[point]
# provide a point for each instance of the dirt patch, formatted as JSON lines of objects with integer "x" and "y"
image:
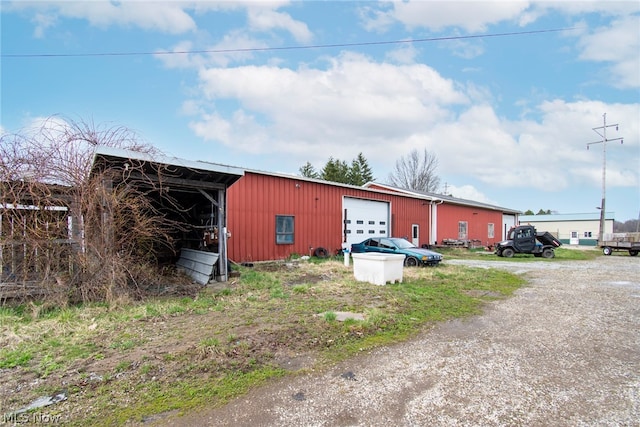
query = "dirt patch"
{"x": 564, "y": 351}
{"x": 130, "y": 352}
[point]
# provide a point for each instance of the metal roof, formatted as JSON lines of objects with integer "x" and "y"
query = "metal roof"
{"x": 214, "y": 173}
{"x": 389, "y": 189}
{"x": 449, "y": 199}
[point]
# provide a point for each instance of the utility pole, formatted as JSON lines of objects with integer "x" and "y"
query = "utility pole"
{"x": 603, "y": 141}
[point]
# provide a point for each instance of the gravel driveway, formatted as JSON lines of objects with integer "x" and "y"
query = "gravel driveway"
{"x": 564, "y": 351}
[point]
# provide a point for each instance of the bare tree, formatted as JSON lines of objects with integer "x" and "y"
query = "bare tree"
{"x": 416, "y": 172}
{"x": 74, "y": 232}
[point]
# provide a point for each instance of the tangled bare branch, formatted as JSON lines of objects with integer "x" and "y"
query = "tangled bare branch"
{"x": 72, "y": 232}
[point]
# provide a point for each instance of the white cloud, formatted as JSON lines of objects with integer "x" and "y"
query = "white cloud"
{"x": 464, "y": 48}
{"x": 42, "y": 22}
{"x": 262, "y": 19}
{"x": 173, "y": 17}
{"x": 405, "y": 54}
{"x": 468, "y": 192}
{"x": 618, "y": 44}
{"x": 385, "y": 110}
{"x": 354, "y": 105}
{"x": 473, "y": 16}
{"x": 235, "y": 47}
{"x": 159, "y": 16}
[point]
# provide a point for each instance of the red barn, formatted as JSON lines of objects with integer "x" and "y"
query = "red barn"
{"x": 460, "y": 219}
{"x": 273, "y": 216}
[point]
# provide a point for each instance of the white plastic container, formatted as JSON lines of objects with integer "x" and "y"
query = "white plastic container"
{"x": 378, "y": 268}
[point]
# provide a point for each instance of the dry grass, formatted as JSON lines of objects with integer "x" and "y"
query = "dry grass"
{"x": 119, "y": 363}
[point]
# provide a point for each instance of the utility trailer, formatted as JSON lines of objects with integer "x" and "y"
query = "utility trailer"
{"x": 524, "y": 239}
{"x": 621, "y": 242}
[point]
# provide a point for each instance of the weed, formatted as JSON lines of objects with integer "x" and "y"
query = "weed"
{"x": 216, "y": 348}
{"x": 210, "y": 342}
{"x": 11, "y": 315}
{"x": 224, "y": 292}
{"x": 301, "y": 289}
{"x": 12, "y": 358}
{"x": 253, "y": 279}
{"x": 123, "y": 344}
{"x": 350, "y": 321}
{"x": 330, "y": 316}
{"x": 122, "y": 366}
{"x": 152, "y": 310}
{"x": 146, "y": 368}
{"x": 202, "y": 304}
{"x": 175, "y": 309}
{"x": 278, "y": 292}
{"x": 48, "y": 365}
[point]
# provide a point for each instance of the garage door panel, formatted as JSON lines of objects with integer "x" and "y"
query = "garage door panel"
{"x": 365, "y": 219}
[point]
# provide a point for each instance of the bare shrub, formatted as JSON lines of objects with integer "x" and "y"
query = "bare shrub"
{"x": 72, "y": 233}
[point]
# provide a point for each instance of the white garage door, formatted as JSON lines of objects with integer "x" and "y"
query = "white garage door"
{"x": 365, "y": 219}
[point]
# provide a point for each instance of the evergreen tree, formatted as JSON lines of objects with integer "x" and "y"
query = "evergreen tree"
{"x": 336, "y": 171}
{"x": 308, "y": 171}
{"x": 360, "y": 172}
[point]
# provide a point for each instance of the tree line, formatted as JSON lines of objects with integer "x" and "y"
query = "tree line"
{"x": 415, "y": 171}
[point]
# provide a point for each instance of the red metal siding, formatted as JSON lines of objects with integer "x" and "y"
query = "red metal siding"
{"x": 255, "y": 200}
{"x": 477, "y": 219}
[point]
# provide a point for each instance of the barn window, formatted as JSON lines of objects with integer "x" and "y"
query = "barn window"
{"x": 462, "y": 230}
{"x": 284, "y": 229}
{"x": 490, "y": 231}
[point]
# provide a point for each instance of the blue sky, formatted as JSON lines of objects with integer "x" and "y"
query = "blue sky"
{"x": 507, "y": 116}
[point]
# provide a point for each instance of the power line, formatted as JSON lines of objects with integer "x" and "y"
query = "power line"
{"x": 266, "y": 49}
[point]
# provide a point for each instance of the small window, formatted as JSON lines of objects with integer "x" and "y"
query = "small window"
{"x": 359, "y": 231}
{"x": 284, "y": 229}
{"x": 490, "y": 231}
{"x": 574, "y": 234}
{"x": 372, "y": 223}
{"x": 462, "y": 230}
{"x": 347, "y": 221}
{"x": 383, "y": 222}
{"x": 372, "y": 231}
{"x": 587, "y": 234}
{"x": 359, "y": 221}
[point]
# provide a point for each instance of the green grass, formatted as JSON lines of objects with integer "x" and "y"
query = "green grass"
{"x": 561, "y": 254}
{"x": 182, "y": 353}
{"x": 13, "y": 358}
